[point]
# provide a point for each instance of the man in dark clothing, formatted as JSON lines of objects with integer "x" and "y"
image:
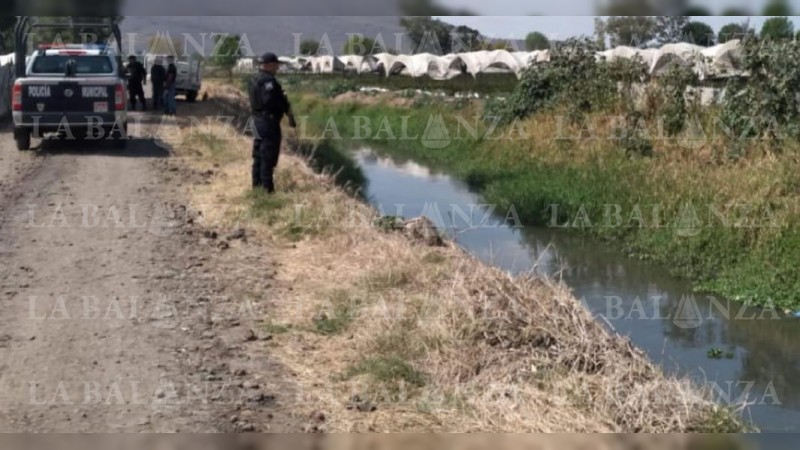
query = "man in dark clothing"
{"x": 158, "y": 76}
{"x": 136, "y": 76}
{"x": 170, "y": 87}
{"x": 269, "y": 104}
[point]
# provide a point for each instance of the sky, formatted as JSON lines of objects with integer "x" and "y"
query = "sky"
{"x": 585, "y": 7}
{"x": 562, "y": 27}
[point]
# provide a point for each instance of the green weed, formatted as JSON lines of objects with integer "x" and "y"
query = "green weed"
{"x": 338, "y": 315}
{"x": 388, "y": 372}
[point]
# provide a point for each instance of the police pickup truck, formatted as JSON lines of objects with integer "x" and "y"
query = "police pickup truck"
{"x": 76, "y": 91}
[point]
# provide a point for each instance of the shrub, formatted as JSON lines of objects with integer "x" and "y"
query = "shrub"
{"x": 339, "y": 87}
{"x": 769, "y": 96}
{"x": 633, "y": 139}
{"x": 677, "y": 102}
{"x": 575, "y": 78}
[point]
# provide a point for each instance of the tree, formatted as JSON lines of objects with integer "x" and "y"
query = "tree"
{"x": 635, "y": 31}
{"x": 434, "y": 36}
{"x": 65, "y": 30}
{"x": 777, "y": 28}
{"x": 696, "y": 11}
{"x": 428, "y": 35}
{"x": 429, "y": 8}
{"x": 227, "y": 52}
{"x": 500, "y": 44}
{"x": 733, "y": 31}
{"x": 357, "y": 44}
{"x": 629, "y": 8}
{"x": 600, "y": 33}
{"x": 309, "y": 47}
{"x": 777, "y": 8}
{"x": 536, "y": 41}
{"x": 735, "y": 12}
{"x": 698, "y": 33}
{"x": 670, "y": 29}
{"x": 464, "y": 38}
{"x": 7, "y": 24}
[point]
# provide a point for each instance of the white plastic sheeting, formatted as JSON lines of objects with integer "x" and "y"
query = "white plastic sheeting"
{"x": 648, "y": 55}
{"x": 436, "y": 67}
{"x": 721, "y": 60}
{"x": 492, "y": 61}
{"x": 325, "y": 64}
{"x": 295, "y": 63}
{"x": 245, "y": 65}
{"x": 708, "y": 62}
{"x": 250, "y": 65}
{"x": 389, "y": 63}
{"x": 357, "y": 63}
{"x": 684, "y": 54}
{"x": 7, "y": 59}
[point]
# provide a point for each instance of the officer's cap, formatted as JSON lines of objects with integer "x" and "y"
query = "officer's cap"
{"x": 268, "y": 58}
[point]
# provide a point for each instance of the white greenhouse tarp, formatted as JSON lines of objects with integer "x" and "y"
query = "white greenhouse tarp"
{"x": 717, "y": 61}
{"x": 357, "y": 63}
{"x": 325, "y": 64}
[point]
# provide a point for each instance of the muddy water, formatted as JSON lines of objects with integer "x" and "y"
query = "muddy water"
{"x": 743, "y": 354}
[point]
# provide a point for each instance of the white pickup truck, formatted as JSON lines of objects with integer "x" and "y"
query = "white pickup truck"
{"x": 190, "y": 77}
{"x": 71, "y": 89}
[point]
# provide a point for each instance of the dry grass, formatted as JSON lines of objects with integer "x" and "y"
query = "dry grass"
{"x": 436, "y": 339}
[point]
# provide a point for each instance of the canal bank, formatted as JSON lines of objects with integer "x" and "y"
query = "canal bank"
{"x": 746, "y": 355}
{"x": 385, "y": 332}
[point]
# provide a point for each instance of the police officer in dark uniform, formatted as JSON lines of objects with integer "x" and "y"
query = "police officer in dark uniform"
{"x": 136, "y": 76}
{"x": 269, "y": 104}
{"x": 158, "y": 75}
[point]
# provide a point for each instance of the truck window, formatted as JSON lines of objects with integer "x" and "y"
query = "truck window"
{"x": 83, "y": 65}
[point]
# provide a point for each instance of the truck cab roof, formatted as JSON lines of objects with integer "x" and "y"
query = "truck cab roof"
{"x": 71, "y": 63}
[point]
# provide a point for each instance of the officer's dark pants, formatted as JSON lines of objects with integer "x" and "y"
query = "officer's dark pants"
{"x": 158, "y": 96}
{"x": 266, "y": 150}
{"x": 135, "y": 90}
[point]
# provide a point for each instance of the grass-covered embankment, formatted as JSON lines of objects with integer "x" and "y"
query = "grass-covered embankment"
{"x": 726, "y": 223}
{"x": 432, "y": 338}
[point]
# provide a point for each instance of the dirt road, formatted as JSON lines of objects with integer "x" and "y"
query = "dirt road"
{"x": 116, "y": 310}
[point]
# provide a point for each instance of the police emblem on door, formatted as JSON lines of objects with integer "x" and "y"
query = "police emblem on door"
{"x": 40, "y": 106}
{"x": 68, "y": 93}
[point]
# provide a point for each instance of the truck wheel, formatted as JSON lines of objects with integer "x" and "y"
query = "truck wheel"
{"x": 120, "y": 140}
{"x": 191, "y": 96}
{"x": 23, "y": 141}
{"x": 120, "y": 143}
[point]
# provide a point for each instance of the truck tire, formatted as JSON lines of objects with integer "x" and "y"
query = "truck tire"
{"x": 120, "y": 140}
{"x": 23, "y": 140}
{"x": 191, "y": 96}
